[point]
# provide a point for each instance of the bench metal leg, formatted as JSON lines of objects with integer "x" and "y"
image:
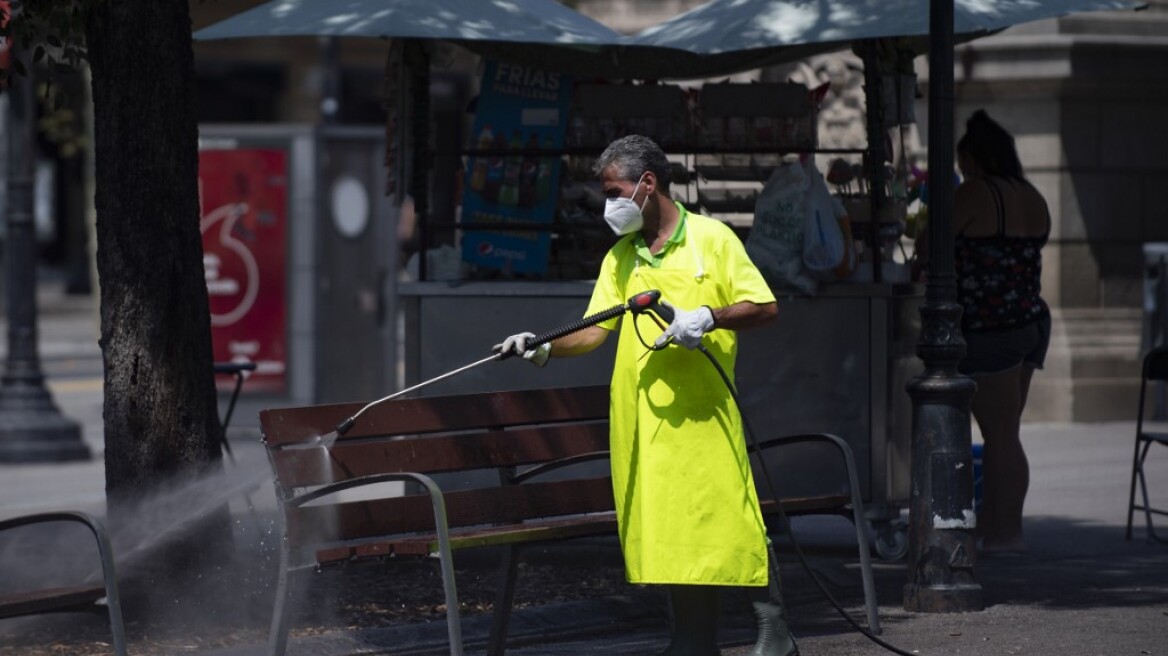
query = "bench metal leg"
{"x": 862, "y": 538}
{"x": 858, "y": 520}
{"x": 109, "y": 575}
{"x": 278, "y": 634}
{"x": 870, "y": 602}
{"x": 441, "y": 527}
{"x": 112, "y": 598}
{"x": 504, "y": 600}
{"x": 446, "y": 555}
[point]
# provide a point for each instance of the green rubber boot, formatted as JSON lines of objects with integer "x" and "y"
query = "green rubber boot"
{"x": 774, "y": 636}
{"x": 695, "y": 621}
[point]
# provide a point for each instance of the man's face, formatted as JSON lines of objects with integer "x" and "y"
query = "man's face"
{"x": 616, "y": 187}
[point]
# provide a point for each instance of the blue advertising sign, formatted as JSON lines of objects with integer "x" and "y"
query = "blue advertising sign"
{"x": 520, "y": 110}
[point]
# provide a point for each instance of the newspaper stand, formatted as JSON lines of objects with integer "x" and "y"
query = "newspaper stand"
{"x": 836, "y": 362}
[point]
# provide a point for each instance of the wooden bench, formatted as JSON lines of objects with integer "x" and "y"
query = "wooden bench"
{"x": 517, "y": 440}
{"x": 81, "y": 597}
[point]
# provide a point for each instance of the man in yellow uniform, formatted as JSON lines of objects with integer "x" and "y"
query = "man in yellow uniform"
{"x": 687, "y": 510}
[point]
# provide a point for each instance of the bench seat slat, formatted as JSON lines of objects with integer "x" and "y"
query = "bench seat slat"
{"x": 504, "y": 505}
{"x": 806, "y": 505}
{"x": 600, "y": 523}
{"x": 47, "y": 600}
{"x": 423, "y": 545}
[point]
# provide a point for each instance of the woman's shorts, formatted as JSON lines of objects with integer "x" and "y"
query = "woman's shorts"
{"x": 1001, "y": 350}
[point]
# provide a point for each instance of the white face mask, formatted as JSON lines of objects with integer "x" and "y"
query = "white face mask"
{"x": 623, "y": 215}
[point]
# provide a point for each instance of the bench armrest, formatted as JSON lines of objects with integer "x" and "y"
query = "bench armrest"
{"x": 857, "y": 510}
{"x": 844, "y": 449}
{"x": 361, "y": 481}
{"x": 539, "y": 470}
{"x": 800, "y": 439}
{"x": 441, "y": 527}
{"x": 105, "y": 553}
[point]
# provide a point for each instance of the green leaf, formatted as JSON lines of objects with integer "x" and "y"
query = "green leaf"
{"x": 54, "y": 41}
{"x": 39, "y": 54}
{"x": 18, "y": 66}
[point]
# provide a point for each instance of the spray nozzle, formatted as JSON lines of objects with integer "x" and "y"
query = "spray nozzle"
{"x": 345, "y": 425}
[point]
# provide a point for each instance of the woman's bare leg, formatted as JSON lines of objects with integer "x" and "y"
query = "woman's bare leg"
{"x": 997, "y": 406}
{"x": 1024, "y": 385}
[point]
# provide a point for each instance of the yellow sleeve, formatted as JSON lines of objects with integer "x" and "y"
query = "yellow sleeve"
{"x": 745, "y": 282}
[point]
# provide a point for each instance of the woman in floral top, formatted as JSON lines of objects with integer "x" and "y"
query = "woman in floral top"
{"x": 1000, "y": 223}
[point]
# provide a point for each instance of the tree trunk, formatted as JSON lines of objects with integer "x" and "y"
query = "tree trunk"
{"x": 161, "y": 421}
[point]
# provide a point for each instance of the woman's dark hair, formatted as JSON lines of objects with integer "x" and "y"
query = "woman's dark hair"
{"x": 633, "y": 156}
{"x": 991, "y": 146}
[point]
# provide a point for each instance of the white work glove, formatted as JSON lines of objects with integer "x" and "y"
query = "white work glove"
{"x": 688, "y": 326}
{"x": 517, "y": 345}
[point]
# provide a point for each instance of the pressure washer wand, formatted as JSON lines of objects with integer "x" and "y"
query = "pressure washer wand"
{"x": 347, "y": 424}
{"x": 647, "y": 300}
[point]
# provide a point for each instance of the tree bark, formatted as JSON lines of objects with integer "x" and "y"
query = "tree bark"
{"x": 161, "y": 420}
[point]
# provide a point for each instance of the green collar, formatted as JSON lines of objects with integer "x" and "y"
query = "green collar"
{"x": 678, "y": 235}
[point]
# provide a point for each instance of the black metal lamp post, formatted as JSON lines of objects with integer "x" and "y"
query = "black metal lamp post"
{"x": 941, "y": 552}
{"x": 32, "y": 429}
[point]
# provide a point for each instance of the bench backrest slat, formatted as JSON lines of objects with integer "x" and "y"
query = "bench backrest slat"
{"x": 438, "y": 453}
{"x": 306, "y": 425}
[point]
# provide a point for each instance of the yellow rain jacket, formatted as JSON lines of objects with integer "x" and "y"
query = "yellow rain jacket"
{"x": 686, "y": 504}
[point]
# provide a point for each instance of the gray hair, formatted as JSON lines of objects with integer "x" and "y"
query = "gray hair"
{"x": 632, "y": 156}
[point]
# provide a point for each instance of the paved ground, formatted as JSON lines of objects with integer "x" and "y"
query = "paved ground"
{"x": 1080, "y": 590}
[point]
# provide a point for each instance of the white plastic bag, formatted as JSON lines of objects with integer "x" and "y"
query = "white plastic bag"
{"x": 828, "y": 252}
{"x": 775, "y": 244}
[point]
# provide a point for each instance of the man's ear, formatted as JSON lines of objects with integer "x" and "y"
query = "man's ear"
{"x": 650, "y": 183}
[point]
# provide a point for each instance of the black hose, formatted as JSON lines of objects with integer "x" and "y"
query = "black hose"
{"x": 773, "y": 491}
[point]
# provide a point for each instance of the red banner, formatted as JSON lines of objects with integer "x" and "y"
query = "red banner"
{"x": 5, "y": 13}
{"x": 243, "y": 196}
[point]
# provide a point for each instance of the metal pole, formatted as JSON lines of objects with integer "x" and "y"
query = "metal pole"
{"x": 942, "y": 551}
{"x": 875, "y": 155}
{"x": 31, "y": 427}
{"x": 417, "y": 63}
